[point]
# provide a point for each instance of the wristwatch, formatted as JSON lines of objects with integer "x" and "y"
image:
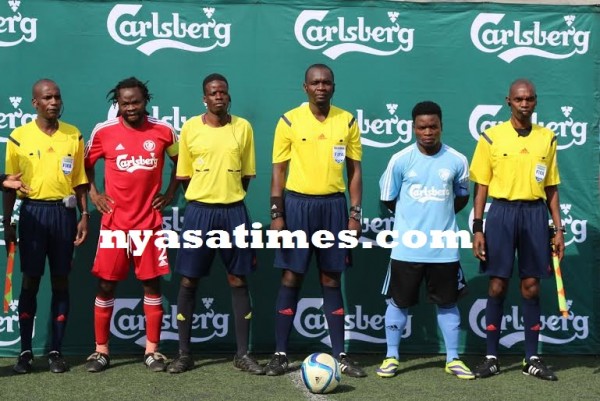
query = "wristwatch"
{"x": 275, "y": 215}
{"x": 356, "y": 213}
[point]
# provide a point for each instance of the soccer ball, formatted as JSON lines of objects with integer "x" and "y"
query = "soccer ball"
{"x": 320, "y": 373}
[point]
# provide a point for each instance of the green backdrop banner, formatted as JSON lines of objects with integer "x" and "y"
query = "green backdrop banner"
{"x": 386, "y": 57}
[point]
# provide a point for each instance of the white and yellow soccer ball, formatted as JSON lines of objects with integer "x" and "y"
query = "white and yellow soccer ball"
{"x": 320, "y": 373}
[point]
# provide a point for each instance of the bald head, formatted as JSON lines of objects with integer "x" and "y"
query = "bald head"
{"x": 38, "y": 85}
{"x": 522, "y": 82}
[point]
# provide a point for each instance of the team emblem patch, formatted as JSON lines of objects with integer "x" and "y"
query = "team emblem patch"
{"x": 540, "y": 172}
{"x": 339, "y": 153}
{"x": 149, "y": 145}
{"x": 444, "y": 174}
{"x": 67, "y": 165}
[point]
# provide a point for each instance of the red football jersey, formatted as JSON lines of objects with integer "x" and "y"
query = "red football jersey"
{"x": 133, "y": 165}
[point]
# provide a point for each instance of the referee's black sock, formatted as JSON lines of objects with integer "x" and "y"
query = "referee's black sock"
{"x": 242, "y": 312}
{"x": 333, "y": 309}
{"x": 27, "y": 310}
{"x": 60, "y": 312}
{"x": 287, "y": 302}
{"x": 186, "y": 302}
{"x": 531, "y": 321}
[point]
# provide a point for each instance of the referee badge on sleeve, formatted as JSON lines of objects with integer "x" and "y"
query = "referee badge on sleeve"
{"x": 339, "y": 153}
{"x": 67, "y": 165}
{"x": 540, "y": 172}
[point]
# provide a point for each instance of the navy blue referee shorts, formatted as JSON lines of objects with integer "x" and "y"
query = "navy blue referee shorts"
{"x": 196, "y": 262}
{"x": 311, "y": 213}
{"x": 519, "y": 227}
{"x": 46, "y": 228}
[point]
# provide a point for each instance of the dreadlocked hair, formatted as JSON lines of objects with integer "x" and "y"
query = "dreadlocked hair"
{"x": 132, "y": 82}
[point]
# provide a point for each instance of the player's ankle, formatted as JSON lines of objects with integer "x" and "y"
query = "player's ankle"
{"x": 102, "y": 348}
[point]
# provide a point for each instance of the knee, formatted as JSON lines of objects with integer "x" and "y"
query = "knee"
{"x": 30, "y": 283}
{"x": 530, "y": 288}
{"x": 151, "y": 287}
{"x": 331, "y": 279}
{"x": 60, "y": 283}
{"x": 291, "y": 279}
{"x": 497, "y": 288}
{"x": 189, "y": 282}
{"x": 106, "y": 289}
{"x": 236, "y": 281}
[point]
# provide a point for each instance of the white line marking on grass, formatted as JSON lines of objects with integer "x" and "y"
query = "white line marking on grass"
{"x": 299, "y": 384}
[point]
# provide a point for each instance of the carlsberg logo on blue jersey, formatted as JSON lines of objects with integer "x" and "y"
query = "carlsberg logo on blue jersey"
{"x": 343, "y": 34}
{"x": 190, "y": 32}
{"x": 511, "y": 39}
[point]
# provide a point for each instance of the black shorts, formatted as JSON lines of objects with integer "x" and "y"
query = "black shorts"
{"x": 403, "y": 282}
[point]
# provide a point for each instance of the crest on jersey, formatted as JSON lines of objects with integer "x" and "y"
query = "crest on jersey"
{"x": 149, "y": 145}
{"x": 444, "y": 174}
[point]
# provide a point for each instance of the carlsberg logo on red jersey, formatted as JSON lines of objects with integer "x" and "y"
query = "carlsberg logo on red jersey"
{"x": 132, "y": 163}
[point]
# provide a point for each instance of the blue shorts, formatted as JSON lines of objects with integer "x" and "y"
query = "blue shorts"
{"x": 196, "y": 262}
{"x": 46, "y": 228}
{"x": 311, "y": 213}
{"x": 520, "y": 226}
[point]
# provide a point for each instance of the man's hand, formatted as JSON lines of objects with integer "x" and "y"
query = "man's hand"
{"x": 355, "y": 225}
{"x": 102, "y": 202}
{"x": 479, "y": 246}
{"x": 278, "y": 224}
{"x": 160, "y": 201}
{"x": 10, "y": 235}
{"x": 82, "y": 229}
{"x": 559, "y": 244}
{"x": 13, "y": 181}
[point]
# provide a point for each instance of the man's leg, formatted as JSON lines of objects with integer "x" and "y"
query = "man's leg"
{"x": 103, "y": 310}
{"x": 186, "y": 302}
{"x": 27, "y": 310}
{"x": 153, "y": 310}
{"x": 285, "y": 309}
{"x": 242, "y": 313}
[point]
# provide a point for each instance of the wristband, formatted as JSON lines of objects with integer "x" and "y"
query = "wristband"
{"x": 477, "y": 226}
{"x": 277, "y": 205}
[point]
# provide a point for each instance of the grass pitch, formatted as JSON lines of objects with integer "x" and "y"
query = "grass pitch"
{"x": 214, "y": 378}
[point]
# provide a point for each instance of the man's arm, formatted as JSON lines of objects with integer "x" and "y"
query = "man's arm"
{"x": 277, "y": 186}
{"x": 82, "y": 227}
{"x": 479, "y": 202}
{"x": 553, "y": 204}
{"x": 8, "y": 203}
{"x": 160, "y": 201}
{"x": 354, "y": 173}
{"x": 102, "y": 202}
{"x": 460, "y": 202}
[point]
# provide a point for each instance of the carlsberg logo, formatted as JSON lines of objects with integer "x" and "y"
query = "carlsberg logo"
{"x": 554, "y": 329}
{"x": 310, "y": 323}
{"x": 345, "y": 35}
{"x": 15, "y": 118}
{"x": 527, "y": 39}
{"x": 166, "y": 31}
{"x": 384, "y": 132}
{"x": 128, "y": 322}
{"x": 568, "y": 132}
{"x": 17, "y": 28}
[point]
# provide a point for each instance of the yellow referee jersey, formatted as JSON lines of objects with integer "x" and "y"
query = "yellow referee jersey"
{"x": 52, "y": 165}
{"x": 515, "y": 167}
{"x": 316, "y": 150}
{"x": 216, "y": 159}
